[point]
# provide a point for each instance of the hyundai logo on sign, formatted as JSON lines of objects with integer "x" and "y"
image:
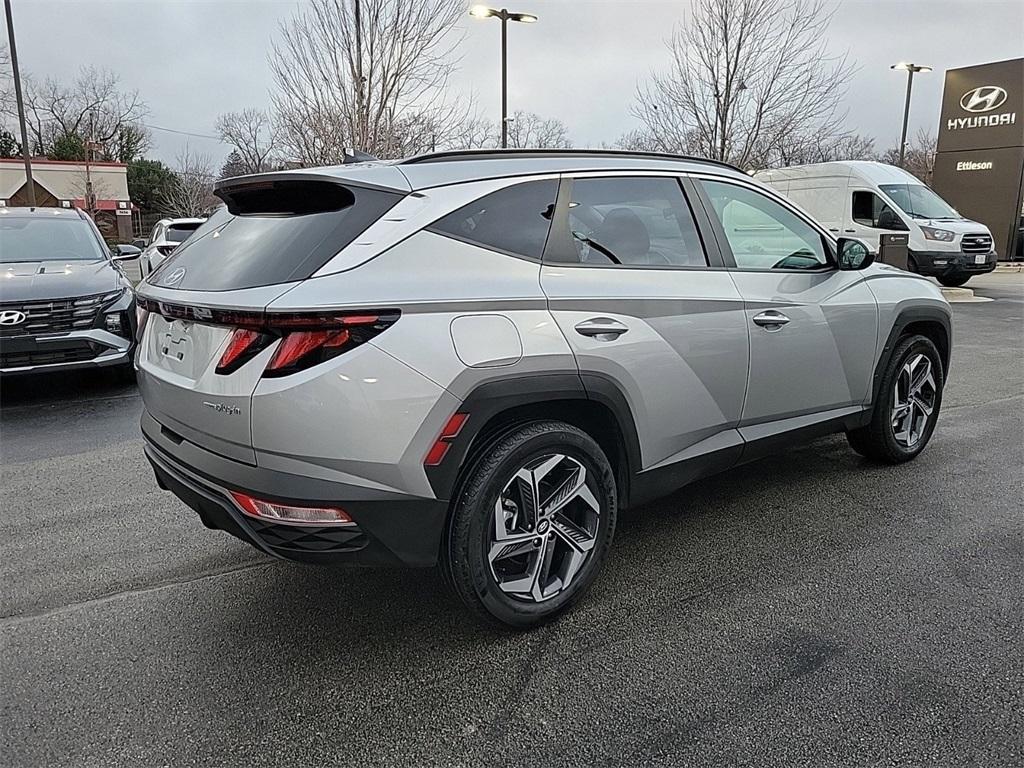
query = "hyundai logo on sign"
{"x": 981, "y": 102}
{"x": 983, "y": 99}
{"x": 11, "y": 317}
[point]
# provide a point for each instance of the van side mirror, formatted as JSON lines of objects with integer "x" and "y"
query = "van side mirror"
{"x": 888, "y": 219}
{"x": 140, "y": 242}
{"x": 854, "y": 254}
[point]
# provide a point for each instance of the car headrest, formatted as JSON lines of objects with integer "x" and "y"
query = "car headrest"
{"x": 624, "y": 234}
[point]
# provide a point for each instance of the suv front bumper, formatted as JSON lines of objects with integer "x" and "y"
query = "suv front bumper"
{"x": 90, "y": 348}
{"x": 941, "y": 263}
{"x": 390, "y": 528}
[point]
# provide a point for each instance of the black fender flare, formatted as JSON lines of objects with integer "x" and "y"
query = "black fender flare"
{"x": 490, "y": 399}
{"x": 905, "y": 318}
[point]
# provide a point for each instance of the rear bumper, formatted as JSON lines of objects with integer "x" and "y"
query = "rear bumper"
{"x": 939, "y": 263}
{"x": 390, "y": 528}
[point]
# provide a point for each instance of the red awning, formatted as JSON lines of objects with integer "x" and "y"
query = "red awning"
{"x": 102, "y": 205}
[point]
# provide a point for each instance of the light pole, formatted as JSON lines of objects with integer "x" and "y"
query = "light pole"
{"x": 483, "y": 12}
{"x": 911, "y": 69}
{"x": 26, "y": 152}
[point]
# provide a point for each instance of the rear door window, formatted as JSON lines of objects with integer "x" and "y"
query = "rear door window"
{"x": 513, "y": 220}
{"x": 273, "y": 232}
{"x": 633, "y": 222}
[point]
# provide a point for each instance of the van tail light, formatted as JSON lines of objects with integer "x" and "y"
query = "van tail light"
{"x": 290, "y": 514}
{"x": 305, "y": 338}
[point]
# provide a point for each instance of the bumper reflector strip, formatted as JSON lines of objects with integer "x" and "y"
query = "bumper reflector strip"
{"x": 287, "y": 514}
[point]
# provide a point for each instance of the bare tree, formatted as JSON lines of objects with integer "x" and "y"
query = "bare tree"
{"x": 919, "y": 159}
{"x": 92, "y": 106}
{"x": 745, "y": 74}
{"x": 252, "y": 135}
{"x": 800, "y": 149}
{"x": 191, "y": 193}
{"x": 343, "y": 80}
{"x": 527, "y": 129}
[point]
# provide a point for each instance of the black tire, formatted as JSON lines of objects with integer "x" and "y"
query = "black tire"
{"x": 953, "y": 281}
{"x": 472, "y": 522}
{"x": 878, "y": 439}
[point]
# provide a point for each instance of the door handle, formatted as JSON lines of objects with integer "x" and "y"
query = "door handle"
{"x": 830, "y": 229}
{"x": 601, "y": 328}
{"x": 851, "y": 231}
{"x": 771, "y": 320}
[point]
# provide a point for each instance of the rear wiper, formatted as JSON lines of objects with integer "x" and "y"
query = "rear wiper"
{"x": 597, "y": 247}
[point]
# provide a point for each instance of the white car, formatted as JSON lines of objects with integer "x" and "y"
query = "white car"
{"x": 167, "y": 235}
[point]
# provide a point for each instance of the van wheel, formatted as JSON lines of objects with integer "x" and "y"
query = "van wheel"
{"x": 532, "y": 524}
{"x": 907, "y": 408}
{"x": 953, "y": 281}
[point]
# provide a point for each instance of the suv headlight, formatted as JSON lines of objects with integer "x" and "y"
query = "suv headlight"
{"x": 942, "y": 235}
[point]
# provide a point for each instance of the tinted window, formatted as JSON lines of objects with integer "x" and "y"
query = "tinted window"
{"x": 633, "y": 222}
{"x": 762, "y": 233}
{"x": 179, "y": 233}
{"x": 870, "y": 210}
{"x": 47, "y": 239}
{"x": 514, "y": 219}
{"x": 244, "y": 251}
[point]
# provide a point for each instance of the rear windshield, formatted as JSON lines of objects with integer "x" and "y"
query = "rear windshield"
{"x": 33, "y": 238}
{"x": 179, "y": 233}
{"x": 276, "y": 243}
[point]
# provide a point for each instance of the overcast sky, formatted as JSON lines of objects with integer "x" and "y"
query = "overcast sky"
{"x": 193, "y": 59}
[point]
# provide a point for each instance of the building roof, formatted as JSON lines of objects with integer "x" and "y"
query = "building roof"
{"x": 64, "y": 179}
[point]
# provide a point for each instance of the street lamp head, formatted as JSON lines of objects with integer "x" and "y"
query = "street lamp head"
{"x": 908, "y": 67}
{"x": 483, "y": 12}
{"x": 526, "y": 18}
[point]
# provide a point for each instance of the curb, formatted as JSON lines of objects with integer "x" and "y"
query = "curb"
{"x": 962, "y": 296}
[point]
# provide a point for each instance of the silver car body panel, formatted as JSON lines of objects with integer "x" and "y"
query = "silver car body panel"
{"x": 698, "y": 376}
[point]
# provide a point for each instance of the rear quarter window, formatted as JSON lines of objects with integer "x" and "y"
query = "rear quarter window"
{"x": 284, "y": 231}
{"x": 513, "y": 220}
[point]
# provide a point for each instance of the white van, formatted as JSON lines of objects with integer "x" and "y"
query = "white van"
{"x": 867, "y": 199}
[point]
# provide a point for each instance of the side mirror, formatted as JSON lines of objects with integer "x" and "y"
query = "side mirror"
{"x": 854, "y": 254}
{"x": 140, "y": 242}
{"x": 888, "y": 219}
{"x": 125, "y": 252}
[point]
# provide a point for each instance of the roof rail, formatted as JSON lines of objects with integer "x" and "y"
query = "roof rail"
{"x": 497, "y": 154}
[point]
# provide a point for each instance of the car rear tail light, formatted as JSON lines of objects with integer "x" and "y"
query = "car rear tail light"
{"x": 451, "y": 430}
{"x": 244, "y": 345}
{"x": 290, "y": 514}
{"x": 306, "y": 338}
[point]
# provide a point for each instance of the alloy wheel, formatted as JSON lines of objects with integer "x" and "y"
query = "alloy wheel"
{"x": 913, "y": 400}
{"x": 545, "y": 526}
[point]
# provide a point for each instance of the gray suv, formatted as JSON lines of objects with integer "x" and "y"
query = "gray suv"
{"x": 476, "y": 359}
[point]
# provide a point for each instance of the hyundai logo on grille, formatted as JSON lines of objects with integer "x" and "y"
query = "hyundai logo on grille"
{"x": 11, "y": 317}
{"x": 984, "y": 98}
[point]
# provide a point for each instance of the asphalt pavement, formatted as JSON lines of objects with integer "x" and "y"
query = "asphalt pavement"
{"x": 810, "y": 609}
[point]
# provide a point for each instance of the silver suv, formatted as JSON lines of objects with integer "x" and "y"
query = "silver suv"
{"x": 476, "y": 360}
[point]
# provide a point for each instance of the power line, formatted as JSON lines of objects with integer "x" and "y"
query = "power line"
{"x": 183, "y": 133}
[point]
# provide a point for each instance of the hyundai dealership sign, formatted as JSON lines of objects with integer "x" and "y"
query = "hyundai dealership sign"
{"x": 979, "y": 167}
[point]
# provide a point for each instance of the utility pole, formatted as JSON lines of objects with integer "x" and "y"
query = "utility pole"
{"x": 910, "y": 70}
{"x": 26, "y": 153}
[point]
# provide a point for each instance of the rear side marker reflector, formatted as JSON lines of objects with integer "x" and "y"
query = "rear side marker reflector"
{"x": 287, "y": 514}
{"x": 451, "y": 430}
